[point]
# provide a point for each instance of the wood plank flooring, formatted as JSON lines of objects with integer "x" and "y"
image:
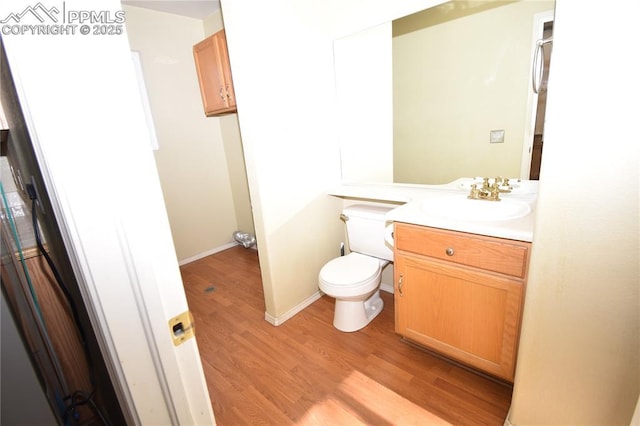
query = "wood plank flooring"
{"x": 305, "y": 372}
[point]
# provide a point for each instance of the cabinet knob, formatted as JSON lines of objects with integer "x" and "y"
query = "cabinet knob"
{"x": 221, "y": 94}
{"x": 400, "y": 285}
{"x": 449, "y": 251}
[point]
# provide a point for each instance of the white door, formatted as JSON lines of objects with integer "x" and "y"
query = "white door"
{"x": 83, "y": 110}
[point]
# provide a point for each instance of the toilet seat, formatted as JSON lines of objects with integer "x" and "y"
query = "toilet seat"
{"x": 350, "y": 275}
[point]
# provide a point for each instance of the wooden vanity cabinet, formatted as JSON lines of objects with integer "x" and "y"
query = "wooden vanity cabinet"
{"x": 214, "y": 75}
{"x": 461, "y": 295}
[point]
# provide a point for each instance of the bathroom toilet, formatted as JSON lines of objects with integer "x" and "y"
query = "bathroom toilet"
{"x": 354, "y": 280}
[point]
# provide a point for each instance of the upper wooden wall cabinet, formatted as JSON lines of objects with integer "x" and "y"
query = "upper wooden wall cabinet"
{"x": 214, "y": 74}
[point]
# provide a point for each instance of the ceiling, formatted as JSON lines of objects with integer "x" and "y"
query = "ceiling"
{"x": 190, "y": 8}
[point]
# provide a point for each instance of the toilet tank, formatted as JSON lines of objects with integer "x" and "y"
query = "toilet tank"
{"x": 366, "y": 230}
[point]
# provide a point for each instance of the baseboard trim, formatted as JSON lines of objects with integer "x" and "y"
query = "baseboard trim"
{"x": 293, "y": 311}
{"x": 507, "y": 421}
{"x": 207, "y": 253}
{"x": 308, "y": 301}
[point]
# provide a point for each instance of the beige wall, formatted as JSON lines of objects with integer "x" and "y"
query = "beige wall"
{"x": 291, "y": 153}
{"x": 579, "y": 358}
{"x": 454, "y": 81}
{"x": 213, "y": 23}
{"x": 191, "y": 161}
{"x": 230, "y": 132}
{"x": 282, "y": 63}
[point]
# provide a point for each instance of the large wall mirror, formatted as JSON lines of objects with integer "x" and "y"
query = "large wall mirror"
{"x": 441, "y": 94}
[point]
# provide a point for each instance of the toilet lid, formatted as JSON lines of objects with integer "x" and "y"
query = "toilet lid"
{"x": 351, "y": 269}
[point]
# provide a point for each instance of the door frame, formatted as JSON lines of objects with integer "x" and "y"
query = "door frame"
{"x": 539, "y": 21}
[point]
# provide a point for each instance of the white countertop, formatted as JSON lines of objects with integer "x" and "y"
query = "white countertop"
{"x": 415, "y": 196}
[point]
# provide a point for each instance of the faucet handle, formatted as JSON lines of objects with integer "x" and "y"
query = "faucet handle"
{"x": 505, "y": 186}
{"x": 494, "y": 193}
{"x": 474, "y": 194}
{"x": 485, "y": 183}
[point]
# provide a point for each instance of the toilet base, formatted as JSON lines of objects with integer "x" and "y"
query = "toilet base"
{"x": 353, "y": 315}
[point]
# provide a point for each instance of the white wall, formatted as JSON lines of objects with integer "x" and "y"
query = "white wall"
{"x": 191, "y": 161}
{"x": 579, "y": 358}
{"x": 362, "y": 61}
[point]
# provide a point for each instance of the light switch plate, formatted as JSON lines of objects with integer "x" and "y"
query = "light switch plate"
{"x": 496, "y": 136}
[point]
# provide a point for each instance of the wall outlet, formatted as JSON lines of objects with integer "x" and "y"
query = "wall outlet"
{"x": 496, "y": 136}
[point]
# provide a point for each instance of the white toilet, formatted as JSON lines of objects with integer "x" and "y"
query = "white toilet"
{"x": 354, "y": 279}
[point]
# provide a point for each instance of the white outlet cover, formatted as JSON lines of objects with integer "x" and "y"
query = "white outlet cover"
{"x": 496, "y": 136}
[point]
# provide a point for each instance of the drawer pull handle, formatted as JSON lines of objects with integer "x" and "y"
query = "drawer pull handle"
{"x": 449, "y": 251}
{"x": 400, "y": 285}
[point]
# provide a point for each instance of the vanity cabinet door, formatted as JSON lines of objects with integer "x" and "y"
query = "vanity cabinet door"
{"x": 465, "y": 313}
{"x": 214, "y": 75}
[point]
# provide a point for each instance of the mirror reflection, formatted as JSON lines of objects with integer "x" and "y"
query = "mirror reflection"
{"x": 463, "y": 104}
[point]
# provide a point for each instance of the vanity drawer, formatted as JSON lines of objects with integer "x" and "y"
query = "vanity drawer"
{"x": 488, "y": 253}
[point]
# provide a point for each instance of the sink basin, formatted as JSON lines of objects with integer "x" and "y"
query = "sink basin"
{"x": 459, "y": 207}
